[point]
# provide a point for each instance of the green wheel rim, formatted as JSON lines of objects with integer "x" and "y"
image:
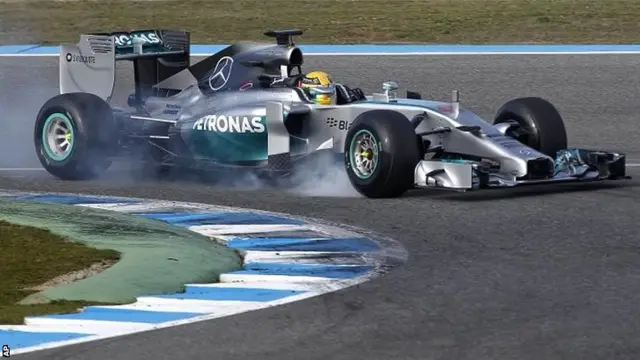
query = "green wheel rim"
{"x": 364, "y": 154}
{"x": 58, "y": 137}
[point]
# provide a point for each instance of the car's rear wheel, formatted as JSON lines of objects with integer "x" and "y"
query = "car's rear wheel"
{"x": 74, "y": 136}
{"x": 380, "y": 154}
{"x": 540, "y": 125}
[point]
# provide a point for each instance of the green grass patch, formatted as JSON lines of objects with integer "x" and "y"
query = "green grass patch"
{"x": 32, "y": 257}
{"x": 333, "y": 21}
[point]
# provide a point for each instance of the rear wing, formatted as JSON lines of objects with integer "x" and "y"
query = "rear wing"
{"x": 90, "y": 65}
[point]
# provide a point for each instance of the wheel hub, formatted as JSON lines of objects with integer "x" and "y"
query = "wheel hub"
{"x": 364, "y": 154}
{"x": 58, "y": 137}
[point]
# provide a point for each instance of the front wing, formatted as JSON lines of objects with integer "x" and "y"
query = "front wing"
{"x": 570, "y": 165}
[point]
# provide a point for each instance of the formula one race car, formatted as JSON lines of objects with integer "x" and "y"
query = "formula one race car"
{"x": 243, "y": 107}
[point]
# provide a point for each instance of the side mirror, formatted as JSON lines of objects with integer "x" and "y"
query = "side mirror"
{"x": 389, "y": 86}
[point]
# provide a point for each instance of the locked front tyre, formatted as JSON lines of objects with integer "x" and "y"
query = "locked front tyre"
{"x": 381, "y": 153}
{"x": 75, "y": 135}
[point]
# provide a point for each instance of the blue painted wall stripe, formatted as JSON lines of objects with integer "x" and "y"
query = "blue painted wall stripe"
{"x": 393, "y": 49}
{"x": 123, "y": 315}
{"x": 22, "y": 339}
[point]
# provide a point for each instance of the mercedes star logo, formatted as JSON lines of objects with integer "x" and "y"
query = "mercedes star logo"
{"x": 221, "y": 73}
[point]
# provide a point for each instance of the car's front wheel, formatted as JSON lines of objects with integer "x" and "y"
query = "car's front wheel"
{"x": 381, "y": 154}
{"x": 540, "y": 125}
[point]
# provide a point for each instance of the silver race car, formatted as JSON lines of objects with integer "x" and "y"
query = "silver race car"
{"x": 243, "y": 108}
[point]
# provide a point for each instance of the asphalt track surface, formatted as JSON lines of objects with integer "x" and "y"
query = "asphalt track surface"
{"x": 493, "y": 275}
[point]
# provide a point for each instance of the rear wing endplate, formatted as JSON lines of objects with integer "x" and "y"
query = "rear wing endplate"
{"x": 90, "y": 65}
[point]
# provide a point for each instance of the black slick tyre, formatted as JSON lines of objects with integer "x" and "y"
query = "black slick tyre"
{"x": 74, "y": 136}
{"x": 541, "y": 126}
{"x": 381, "y": 154}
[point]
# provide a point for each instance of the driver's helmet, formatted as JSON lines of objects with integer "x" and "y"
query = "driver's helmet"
{"x": 319, "y": 86}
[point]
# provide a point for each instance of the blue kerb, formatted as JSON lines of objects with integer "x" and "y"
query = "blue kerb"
{"x": 22, "y": 339}
{"x": 327, "y": 271}
{"x": 123, "y": 315}
{"x": 194, "y": 292}
{"x": 219, "y": 218}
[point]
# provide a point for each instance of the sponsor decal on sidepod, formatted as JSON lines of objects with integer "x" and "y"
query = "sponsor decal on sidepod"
{"x": 230, "y": 124}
